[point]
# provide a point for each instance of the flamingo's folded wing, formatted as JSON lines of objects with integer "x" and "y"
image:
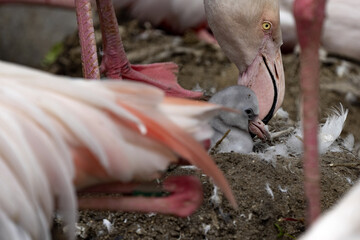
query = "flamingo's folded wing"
{"x": 129, "y": 130}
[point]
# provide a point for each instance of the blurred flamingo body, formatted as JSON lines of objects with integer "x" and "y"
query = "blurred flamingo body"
{"x": 341, "y": 221}
{"x": 59, "y": 136}
{"x": 340, "y": 27}
{"x": 175, "y": 15}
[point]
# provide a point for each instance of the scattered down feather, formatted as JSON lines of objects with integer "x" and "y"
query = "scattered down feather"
{"x": 328, "y": 133}
{"x": 46, "y": 121}
{"x": 339, "y": 32}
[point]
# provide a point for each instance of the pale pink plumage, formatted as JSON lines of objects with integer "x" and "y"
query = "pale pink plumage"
{"x": 56, "y": 132}
{"x": 341, "y": 222}
{"x": 340, "y": 32}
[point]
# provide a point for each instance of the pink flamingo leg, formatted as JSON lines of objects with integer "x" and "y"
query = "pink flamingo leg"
{"x": 309, "y": 15}
{"x": 204, "y": 35}
{"x": 185, "y": 198}
{"x": 87, "y": 39}
{"x": 116, "y": 65}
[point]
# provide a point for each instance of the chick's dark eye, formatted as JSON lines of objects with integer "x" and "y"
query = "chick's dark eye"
{"x": 249, "y": 112}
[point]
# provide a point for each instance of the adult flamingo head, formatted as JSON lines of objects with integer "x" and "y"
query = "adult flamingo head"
{"x": 249, "y": 33}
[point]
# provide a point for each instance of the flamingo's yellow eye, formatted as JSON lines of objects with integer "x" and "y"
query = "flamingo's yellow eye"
{"x": 266, "y": 25}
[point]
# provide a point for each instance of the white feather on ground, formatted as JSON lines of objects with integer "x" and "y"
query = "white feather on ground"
{"x": 328, "y": 133}
{"x": 332, "y": 128}
{"x": 349, "y": 142}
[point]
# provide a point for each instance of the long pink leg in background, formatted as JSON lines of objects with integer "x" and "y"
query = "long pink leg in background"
{"x": 89, "y": 59}
{"x": 309, "y": 15}
{"x": 116, "y": 65}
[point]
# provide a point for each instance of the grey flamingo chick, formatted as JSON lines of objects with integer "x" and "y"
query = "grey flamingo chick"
{"x": 239, "y": 123}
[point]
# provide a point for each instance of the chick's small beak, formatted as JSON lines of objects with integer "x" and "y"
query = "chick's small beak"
{"x": 257, "y": 127}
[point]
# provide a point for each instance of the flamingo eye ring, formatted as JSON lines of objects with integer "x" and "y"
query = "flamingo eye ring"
{"x": 266, "y": 25}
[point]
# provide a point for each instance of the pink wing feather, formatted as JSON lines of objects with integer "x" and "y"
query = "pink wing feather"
{"x": 56, "y": 131}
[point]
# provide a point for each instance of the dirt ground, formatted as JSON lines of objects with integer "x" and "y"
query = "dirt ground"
{"x": 260, "y": 214}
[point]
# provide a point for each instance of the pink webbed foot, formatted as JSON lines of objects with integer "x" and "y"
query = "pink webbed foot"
{"x": 185, "y": 198}
{"x": 161, "y": 75}
{"x": 116, "y": 65}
